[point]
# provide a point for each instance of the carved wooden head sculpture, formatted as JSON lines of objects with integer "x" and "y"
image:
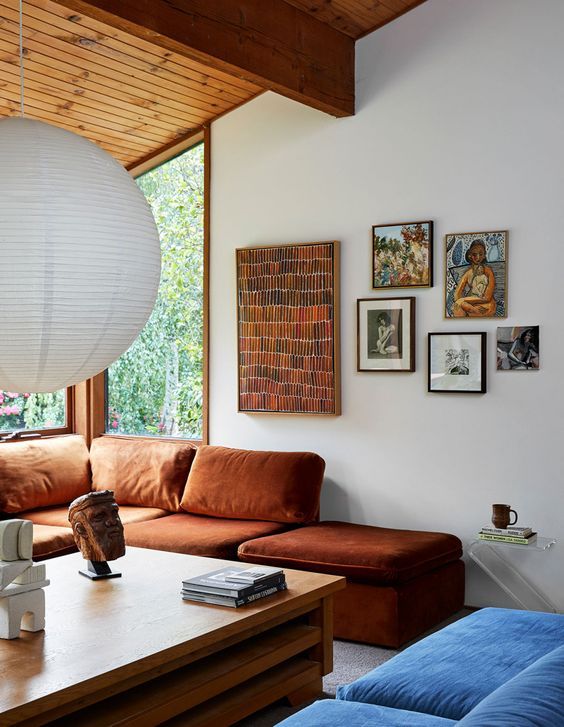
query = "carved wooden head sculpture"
{"x": 96, "y": 526}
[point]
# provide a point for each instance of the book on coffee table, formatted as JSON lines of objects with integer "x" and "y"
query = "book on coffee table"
{"x": 215, "y": 582}
{"x": 231, "y": 601}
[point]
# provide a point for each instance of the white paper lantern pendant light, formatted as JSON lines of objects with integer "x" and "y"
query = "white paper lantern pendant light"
{"x": 80, "y": 256}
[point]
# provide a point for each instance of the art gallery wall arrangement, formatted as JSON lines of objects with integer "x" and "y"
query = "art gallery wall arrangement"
{"x": 475, "y": 287}
{"x": 288, "y": 317}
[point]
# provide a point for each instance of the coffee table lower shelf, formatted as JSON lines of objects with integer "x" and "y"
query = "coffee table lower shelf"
{"x": 218, "y": 689}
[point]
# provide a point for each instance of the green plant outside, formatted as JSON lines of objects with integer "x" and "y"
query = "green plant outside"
{"x": 155, "y": 388}
{"x": 31, "y": 411}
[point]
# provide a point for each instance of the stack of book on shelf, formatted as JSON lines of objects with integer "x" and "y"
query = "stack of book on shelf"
{"x": 512, "y": 534}
{"x": 234, "y": 586}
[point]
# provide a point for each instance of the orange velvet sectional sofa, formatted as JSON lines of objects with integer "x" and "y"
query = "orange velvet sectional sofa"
{"x": 259, "y": 507}
{"x": 172, "y": 496}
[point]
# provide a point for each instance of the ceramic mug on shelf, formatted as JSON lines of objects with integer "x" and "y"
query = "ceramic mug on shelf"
{"x": 501, "y": 516}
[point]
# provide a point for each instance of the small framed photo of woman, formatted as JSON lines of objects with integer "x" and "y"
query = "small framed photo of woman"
{"x": 386, "y": 334}
{"x": 457, "y": 363}
{"x": 518, "y": 348}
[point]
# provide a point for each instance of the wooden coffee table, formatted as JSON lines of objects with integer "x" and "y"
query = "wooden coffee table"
{"x": 130, "y": 651}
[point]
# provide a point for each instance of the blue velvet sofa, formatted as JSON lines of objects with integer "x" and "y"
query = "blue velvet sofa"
{"x": 494, "y": 668}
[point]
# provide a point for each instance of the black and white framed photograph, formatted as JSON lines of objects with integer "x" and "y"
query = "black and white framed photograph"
{"x": 457, "y": 363}
{"x": 386, "y": 334}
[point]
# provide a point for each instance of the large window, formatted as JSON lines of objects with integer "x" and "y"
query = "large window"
{"x": 155, "y": 388}
{"x": 32, "y": 411}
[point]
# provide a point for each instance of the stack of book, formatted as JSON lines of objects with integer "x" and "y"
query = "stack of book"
{"x": 512, "y": 534}
{"x": 234, "y": 586}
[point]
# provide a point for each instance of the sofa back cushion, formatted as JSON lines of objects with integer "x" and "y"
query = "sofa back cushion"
{"x": 533, "y": 698}
{"x": 140, "y": 471}
{"x": 43, "y": 472}
{"x": 239, "y": 483}
{"x": 449, "y": 672}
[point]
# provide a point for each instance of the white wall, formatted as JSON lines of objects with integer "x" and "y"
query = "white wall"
{"x": 460, "y": 112}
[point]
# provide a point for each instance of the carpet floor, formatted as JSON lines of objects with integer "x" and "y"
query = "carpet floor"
{"x": 350, "y": 661}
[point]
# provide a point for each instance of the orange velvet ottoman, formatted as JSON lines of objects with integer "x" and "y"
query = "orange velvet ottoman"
{"x": 399, "y": 582}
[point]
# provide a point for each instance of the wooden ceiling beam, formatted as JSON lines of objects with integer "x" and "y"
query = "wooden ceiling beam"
{"x": 267, "y": 42}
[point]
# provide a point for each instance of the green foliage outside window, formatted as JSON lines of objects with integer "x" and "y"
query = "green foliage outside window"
{"x": 156, "y": 386}
{"x": 31, "y": 411}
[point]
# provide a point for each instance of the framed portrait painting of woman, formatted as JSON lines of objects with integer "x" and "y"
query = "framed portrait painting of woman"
{"x": 386, "y": 334}
{"x": 476, "y": 274}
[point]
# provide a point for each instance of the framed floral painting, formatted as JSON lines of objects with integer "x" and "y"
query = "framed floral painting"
{"x": 402, "y": 255}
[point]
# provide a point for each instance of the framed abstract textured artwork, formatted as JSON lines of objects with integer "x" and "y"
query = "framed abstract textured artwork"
{"x": 476, "y": 274}
{"x": 288, "y": 328}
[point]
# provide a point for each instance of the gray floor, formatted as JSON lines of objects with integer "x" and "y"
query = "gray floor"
{"x": 350, "y": 661}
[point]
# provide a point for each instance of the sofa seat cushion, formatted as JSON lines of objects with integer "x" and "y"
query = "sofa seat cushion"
{"x": 43, "y": 472}
{"x": 197, "y": 535}
{"x": 140, "y": 471}
{"x": 450, "y": 672}
{"x": 360, "y": 552}
{"x": 239, "y": 483}
{"x": 533, "y": 698}
{"x": 349, "y": 714}
{"x": 58, "y": 516}
{"x": 50, "y": 541}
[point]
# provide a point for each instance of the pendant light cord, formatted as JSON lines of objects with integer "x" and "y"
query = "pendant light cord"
{"x": 21, "y": 62}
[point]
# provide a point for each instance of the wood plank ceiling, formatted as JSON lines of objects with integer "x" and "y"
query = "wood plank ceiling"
{"x": 132, "y": 96}
{"x": 129, "y": 96}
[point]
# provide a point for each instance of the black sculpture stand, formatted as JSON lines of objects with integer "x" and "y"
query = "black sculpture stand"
{"x": 97, "y": 570}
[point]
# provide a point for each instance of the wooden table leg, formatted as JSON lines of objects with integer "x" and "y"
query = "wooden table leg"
{"x": 323, "y": 618}
{"x": 306, "y": 692}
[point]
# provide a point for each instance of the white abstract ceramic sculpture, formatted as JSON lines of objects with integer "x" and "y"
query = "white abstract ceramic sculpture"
{"x": 22, "y": 599}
